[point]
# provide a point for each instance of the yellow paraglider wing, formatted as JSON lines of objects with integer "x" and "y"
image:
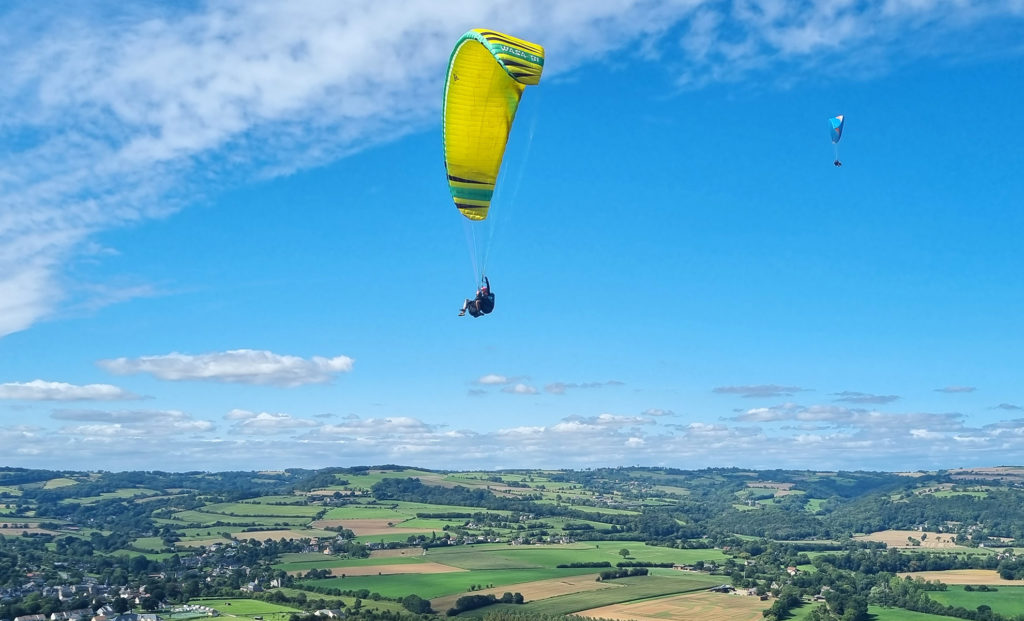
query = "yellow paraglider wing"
{"x": 486, "y": 76}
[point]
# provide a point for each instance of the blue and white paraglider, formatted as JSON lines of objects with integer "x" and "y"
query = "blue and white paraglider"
{"x": 837, "y": 132}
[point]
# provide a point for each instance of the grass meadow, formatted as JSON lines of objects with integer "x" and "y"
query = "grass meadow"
{"x": 502, "y": 556}
{"x": 336, "y": 601}
{"x": 118, "y": 494}
{"x": 1005, "y": 600}
{"x": 875, "y": 613}
{"x": 262, "y": 510}
{"x": 202, "y": 518}
{"x": 435, "y": 585}
{"x": 240, "y": 607}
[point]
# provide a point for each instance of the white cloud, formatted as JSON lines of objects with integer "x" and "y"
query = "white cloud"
{"x": 493, "y": 379}
{"x": 242, "y": 366}
{"x": 109, "y": 108}
{"x": 520, "y": 389}
{"x": 174, "y": 440}
{"x": 265, "y": 423}
{"x": 40, "y": 390}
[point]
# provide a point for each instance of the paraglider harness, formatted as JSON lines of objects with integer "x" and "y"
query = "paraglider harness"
{"x": 484, "y": 302}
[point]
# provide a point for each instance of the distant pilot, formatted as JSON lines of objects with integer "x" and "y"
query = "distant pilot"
{"x": 482, "y": 304}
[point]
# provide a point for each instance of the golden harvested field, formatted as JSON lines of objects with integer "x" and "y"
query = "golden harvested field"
{"x": 963, "y": 576}
{"x": 371, "y": 527}
{"x": 373, "y": 570}
{"x": 703, "y": 606}
{"x": 899, "y": 539}
{"x": 539, "y": 589}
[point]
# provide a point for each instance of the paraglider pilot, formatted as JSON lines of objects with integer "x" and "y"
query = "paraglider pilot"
{"x": 837, "y": 163}
{"x": 482, "y": 304}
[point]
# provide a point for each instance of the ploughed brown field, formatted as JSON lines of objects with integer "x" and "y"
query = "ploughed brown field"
{"x": 370, "y": 527}
{"x": 703, "y": 606}
{"x": 538, "y": 589}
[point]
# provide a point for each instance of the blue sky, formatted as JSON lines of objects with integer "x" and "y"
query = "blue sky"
{"x": 226, "y": 239}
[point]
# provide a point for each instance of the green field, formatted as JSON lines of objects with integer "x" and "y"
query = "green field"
{"x": 294, "y": 499}
{"x": 948, "y": 493}
{"x": 150, "y": 544}
{"x": 59, "y": 482}
{"x": 366, "y": 481}
{"x": 262, "y": 510}
{"x": 204, "y": 532}
{"x": 637, "y": 588}
{"x": 503, "y": 556}
{"x": 875, "y": 613}
{"x": 203, "y": 518}
{"x": 239, "y": 607}
{"x": 878, "y": 613}
{"x": 115, "y": 495}
{"x": 366, "y": 512}
{"x": 397, "y": 510}
{"x": 436, "y": 585}
{"x": 814, "y": 504}
{"x": 1005, "y": 600}
{"x": 336, "y": 601}
{"x": 597, "y": 510}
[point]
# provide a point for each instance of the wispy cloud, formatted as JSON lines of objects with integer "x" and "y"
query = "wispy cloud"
{"x": 1008, "y": 406}
{"x": 956, "y": 389}
{"x": 243, "y": 366}
{"x": 849, "y": 396}
{"x": 835, "y": 416}
{"x": 40, "y": 390}
{"x": 559, "y": 388}
{"x": 520, "y": 389}
{"x": 759, "y": 390}
{"x": 109, "y": 109}
{"x": 127, "y": 424}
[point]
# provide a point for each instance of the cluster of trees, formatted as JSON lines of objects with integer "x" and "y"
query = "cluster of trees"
{"x": 472, "y": 602}
{"x": 624, "y": 572}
